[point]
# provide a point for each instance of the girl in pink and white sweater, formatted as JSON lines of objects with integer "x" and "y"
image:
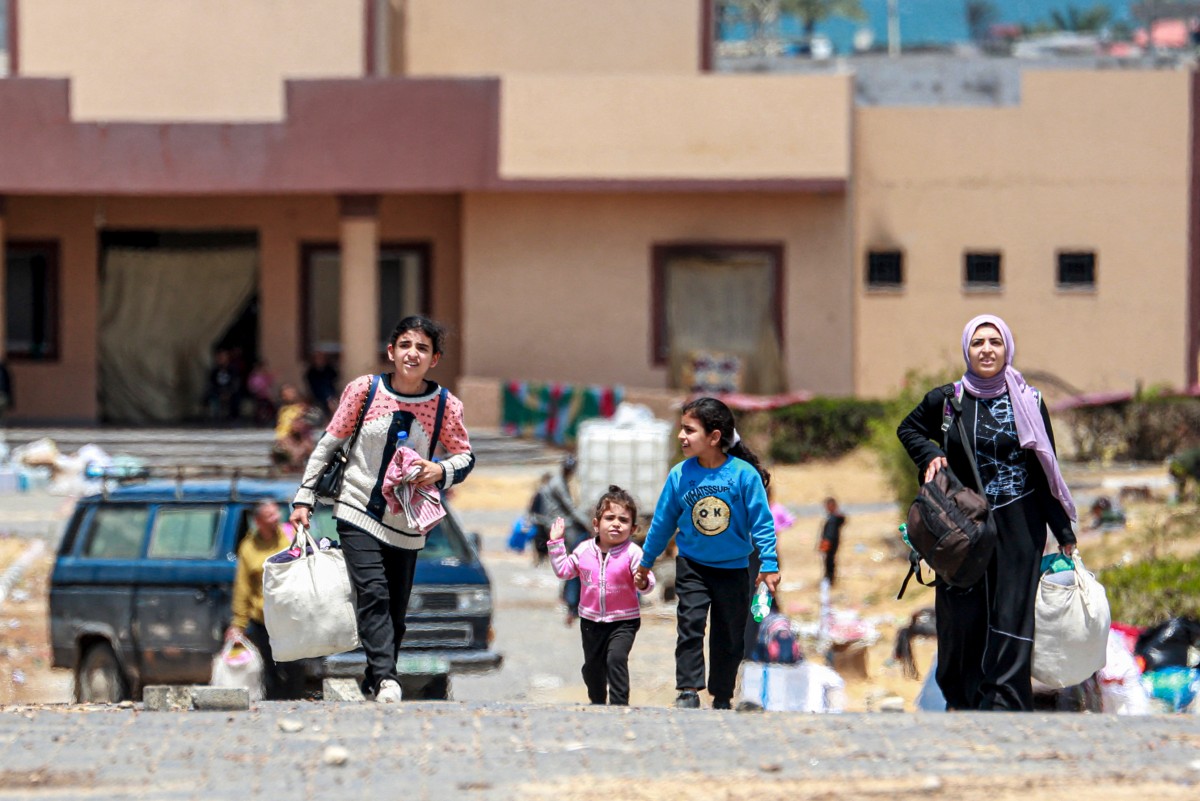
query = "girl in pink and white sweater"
{"x": 609, "y": 612}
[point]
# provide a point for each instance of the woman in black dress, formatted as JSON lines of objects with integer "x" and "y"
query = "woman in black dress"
{"x": 985, "y": 632}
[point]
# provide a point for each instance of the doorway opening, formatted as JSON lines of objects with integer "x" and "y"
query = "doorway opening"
{"x": 170, "y": 301}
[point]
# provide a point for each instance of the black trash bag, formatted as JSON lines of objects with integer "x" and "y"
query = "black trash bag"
{"x": 1166, "y": 645}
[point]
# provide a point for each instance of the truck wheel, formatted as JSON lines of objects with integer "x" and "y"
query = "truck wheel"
{"x": 98, "y": 679}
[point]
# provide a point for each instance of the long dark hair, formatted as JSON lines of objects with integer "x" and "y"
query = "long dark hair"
{"x": 714, "y": 415}
{"x": 417, "y": 322}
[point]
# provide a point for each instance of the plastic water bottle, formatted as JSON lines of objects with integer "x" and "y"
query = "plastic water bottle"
{"x": 401, "y": 439}
{"x": 904, "y": 535}
{"x": 760, "y": 607}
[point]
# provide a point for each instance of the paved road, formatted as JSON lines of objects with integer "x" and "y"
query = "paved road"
{"x": 432, "y": 751}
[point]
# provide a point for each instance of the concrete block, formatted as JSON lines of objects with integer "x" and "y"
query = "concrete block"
{"x": 341, "y": 690}
{"x": 166, "y": 698}
{"x": 223, "y": 699}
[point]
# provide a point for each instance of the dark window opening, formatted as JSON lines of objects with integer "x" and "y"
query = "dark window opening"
{"x": 982, "y": 269}
{"x": 1077, "y": 269}
{"x": 885, "y": 268}
{"x": 31, "y": 300}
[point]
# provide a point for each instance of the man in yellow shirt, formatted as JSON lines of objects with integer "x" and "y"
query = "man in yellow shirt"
{"x": 265, "y": 539}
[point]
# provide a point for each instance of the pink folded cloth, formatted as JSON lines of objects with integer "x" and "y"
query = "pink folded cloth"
{"x": 421, "y": 505}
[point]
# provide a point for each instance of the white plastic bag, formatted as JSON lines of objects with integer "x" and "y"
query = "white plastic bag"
{"x": 1071, "y": 623}
{"x": 239, "y": 665}
{"x": 805, "y": 687}
{"x": 308, "y": 603}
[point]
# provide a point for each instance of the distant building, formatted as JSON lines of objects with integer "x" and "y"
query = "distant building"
{"x": 572, "y": 188}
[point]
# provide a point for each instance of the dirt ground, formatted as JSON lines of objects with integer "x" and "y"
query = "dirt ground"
{"x": 25, "y": 672}
{"x": 752, "y": 787}
{"x": 871, "y": 565}
{"x": 870, "y": 569}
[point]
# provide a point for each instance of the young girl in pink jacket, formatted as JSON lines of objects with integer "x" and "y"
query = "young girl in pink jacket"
{"x": 609, "y": 613}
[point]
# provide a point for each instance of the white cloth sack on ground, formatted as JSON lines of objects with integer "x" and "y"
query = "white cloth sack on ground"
{"x": 308, "y": 603}
{"x": 239, "y": 665}
{"x": 1071, "y": 624}
{"x": 1121, "y": 690}
{"x": 792, "y": 688}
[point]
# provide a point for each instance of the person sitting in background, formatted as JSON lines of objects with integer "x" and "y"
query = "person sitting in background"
{"x": 6, "y": 390}
{"x": 261, "y": 387}
{"x": 1184, "y": 467}
{"x": 224, "y": 388}
{"x": 267, "y": 537}
{"x": 321, "y": 378}
{"x": 295, "y": 426}
{"x": 1105, "y": 516}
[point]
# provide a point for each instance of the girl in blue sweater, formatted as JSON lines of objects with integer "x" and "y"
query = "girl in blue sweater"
{"x": 716, "y": 499}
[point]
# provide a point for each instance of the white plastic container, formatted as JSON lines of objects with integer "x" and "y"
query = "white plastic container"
{"x": 632, "y": 450}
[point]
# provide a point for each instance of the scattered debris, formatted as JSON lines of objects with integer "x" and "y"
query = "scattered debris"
{"x": 335, "y": 755}
{"x": 290, "y": 726}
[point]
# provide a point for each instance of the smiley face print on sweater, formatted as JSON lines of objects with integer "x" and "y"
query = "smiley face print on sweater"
{"x": 710, "y": 516}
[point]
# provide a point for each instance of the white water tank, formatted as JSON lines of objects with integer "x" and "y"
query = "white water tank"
{"x": 632, "y": 449}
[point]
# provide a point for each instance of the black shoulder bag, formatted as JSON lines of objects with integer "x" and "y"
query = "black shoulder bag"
{"x": 328, "y": 485}
{"x": 950, "y": 526}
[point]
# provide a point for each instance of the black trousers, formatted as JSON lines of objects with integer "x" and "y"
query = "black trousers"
{"x": 830, "y": 565}
{"x": 985, "y": 633}
{"x": 282, "y": 681}
{"x": 725, "y": 593}
{"x": 606, "y": 659}
{"x": 382, "y": 576}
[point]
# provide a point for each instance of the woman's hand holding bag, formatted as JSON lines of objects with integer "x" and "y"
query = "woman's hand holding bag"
{"x": 308, "y": 602}
{"x": 1071, "y": 623}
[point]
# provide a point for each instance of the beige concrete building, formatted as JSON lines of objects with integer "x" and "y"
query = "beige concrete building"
{"x": 573, "y": 189}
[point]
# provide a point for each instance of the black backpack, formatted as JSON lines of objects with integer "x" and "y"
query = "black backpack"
{"x": 950, "y": 527}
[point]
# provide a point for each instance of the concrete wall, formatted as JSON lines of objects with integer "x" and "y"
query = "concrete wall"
{"x": 284, "y": 225}
{"x": 1095, "y": 161}
{"x": 486, "y": 37}
{"x": 188, "y": 59}
{"x": 558, "y": 286}
{"x": 710, "y": 127}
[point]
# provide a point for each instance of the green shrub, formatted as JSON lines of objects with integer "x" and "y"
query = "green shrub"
{"x": 1146, "y": 593}
{"x": 1148, "y": 428}
{"x": 898, "y": 468}
{"x": 822, "y": 428}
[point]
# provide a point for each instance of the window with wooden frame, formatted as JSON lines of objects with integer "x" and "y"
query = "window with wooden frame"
{"x": 717, "y": 316}
{"x": 404, "y": 289}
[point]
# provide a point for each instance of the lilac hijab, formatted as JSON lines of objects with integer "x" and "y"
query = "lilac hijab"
{"x": 1031, "y": 431}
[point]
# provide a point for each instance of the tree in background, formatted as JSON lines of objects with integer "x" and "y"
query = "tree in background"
{"x": 812, "y": 12}
{"x": 1082, "y": 19}
{"x": 761, "y": 16}
{"x": 1075, "y": 19}
{"x": 981, "y": 16}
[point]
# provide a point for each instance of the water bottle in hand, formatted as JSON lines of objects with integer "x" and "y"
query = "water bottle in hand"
{"x": 760, "y": 607}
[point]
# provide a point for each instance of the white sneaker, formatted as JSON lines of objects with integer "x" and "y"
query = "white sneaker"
{"x": 388, "y": 692}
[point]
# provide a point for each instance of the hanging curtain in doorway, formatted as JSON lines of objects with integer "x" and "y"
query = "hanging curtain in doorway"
{"x": 724, "y": 308}
{"x": 161, "y": 313}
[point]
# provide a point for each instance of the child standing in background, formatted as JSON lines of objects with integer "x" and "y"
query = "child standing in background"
{"x": 717, "y": 500}
{"x": 609, "y": 612}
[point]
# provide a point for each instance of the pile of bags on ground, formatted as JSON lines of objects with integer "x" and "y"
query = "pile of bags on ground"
{"x": 39, "y": 465}
{"x": 1146, "y": 671}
